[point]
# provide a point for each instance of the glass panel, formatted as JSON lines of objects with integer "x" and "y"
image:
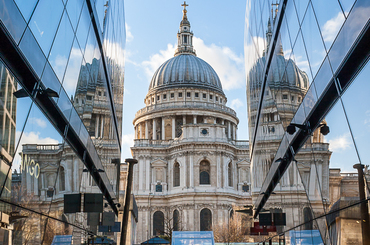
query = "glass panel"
{"x": 44, "y": 22}
{"x": 12, "y": 19}
{"x": 74, "y": 69}
{"x": 50, "y": 80}
{"x": 356, "y": 104}
{"x": 347, "y": 5}
{"x": 350, "y": 31}
{"x": 330, "y": 19}
{"x": 83, "y": 27}
{"x": 32, "y": 51}
{"x": 61, "y": 47}
{"x": 323, "y": 77}
{"x": 292, "y": 21}
{"x": 300, "y": 56}
{"x": 301, "y": 7}
{"x": 313, "y": 41}
{"x": 26, "y": 7}
{"x": 74, "y": 10}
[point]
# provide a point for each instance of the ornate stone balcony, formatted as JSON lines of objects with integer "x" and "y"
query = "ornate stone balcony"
{"x": 185, "y": 105}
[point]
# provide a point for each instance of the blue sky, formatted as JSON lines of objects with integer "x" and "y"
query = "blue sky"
{"x": 218, "y": 28}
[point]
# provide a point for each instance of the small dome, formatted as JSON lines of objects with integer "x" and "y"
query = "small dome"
{"x": 278, "y": 76}
{"x": 185, "y": 70}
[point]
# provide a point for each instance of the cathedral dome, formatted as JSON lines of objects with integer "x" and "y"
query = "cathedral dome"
{"x": 185, "y": 70}
{"x": 283, "y": 73}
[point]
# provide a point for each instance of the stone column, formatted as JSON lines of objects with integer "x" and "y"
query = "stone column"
{"x": 146, "y": 130}
{"x": 147, "y": 182}
{"x": 234, "y": 132}
{"x": 218, "y": 162}
{"x": 228, "y": 130}
{"x": 97, "y": 127}
{"x": 163, "y": 133}
{"x": 102, "y": 126}
{"x": 215, "y": 120}
{"x": 154, "y": 129}
{"x": 173, "y": 128}
{"x": 195, "y": 119}
{"x": 183, "y": 120}
{"x": 191, "y": 172}
{"x": 141, "y": 173}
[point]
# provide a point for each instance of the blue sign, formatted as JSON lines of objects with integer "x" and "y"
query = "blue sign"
{"x": 62, "y": 240}
{"x": 115, "y": 228}
{"x": 309, "y": 237}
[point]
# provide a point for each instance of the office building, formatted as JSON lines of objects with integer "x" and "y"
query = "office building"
{"x": 306, "y": 66}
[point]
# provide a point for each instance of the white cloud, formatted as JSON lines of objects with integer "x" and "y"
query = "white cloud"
{"x": 156, "y": 60}
{"x": 331, "y": 27}
{"x": 236, "y": 103}
{"x": 342, "y": 142}
{"x": 30, "y": 138}
{"x": 227, "y": 64}
{"x": 129, "y": 36}
{"x": 128, "y": 139}
{"x": 38, "y": 121}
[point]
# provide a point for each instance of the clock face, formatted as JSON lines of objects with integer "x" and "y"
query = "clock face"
{"x": 204, "y": 131}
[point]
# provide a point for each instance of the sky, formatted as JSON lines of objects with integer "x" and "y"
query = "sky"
{"x": 151, "y": 28}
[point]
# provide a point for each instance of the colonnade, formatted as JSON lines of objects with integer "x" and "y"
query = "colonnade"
{"x": 142, "y": 128}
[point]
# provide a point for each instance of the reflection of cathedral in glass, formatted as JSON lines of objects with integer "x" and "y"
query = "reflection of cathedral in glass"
{"x": 286, "y": 86}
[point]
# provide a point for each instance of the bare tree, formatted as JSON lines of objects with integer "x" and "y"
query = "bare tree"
{"x": 30, "y": 227}
{"x": 235, "y": 230}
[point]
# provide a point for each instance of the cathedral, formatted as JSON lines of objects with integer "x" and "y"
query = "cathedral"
{"x": 191, "y": 168}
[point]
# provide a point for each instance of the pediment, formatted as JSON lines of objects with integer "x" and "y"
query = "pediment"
{"x": 159, "y": 163}
{"x": 243, "y": 163}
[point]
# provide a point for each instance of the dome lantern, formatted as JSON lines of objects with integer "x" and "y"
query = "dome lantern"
{"x": 185, "y": 36}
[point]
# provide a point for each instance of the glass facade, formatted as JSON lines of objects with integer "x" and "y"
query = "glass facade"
{"x": 306, "y": 65}
{"x": 61, "y": 102}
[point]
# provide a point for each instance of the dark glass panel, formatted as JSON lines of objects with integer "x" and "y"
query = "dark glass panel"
{"x": 12, "y": 19}
{"x": 32, "y": 51}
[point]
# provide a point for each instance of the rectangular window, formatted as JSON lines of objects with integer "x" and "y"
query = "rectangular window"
{"x": 220, "y": 100}
{"x": 299, "y": 99}
{"x": 180, "y": 95}
{"x": 196, "y": 95}
{"x": 285, "y": 96}
{"x": 88, "y": 97}
{"x": 292, "y": 98}
{"x": 158, "y": 98}
{"x": 172, "y": 95}
{"x": 216, "y": 98}
{"x": 211, "y": 97}
{"x": 165, "y": 96}
{"x": 204, "y": 96}
{"x": 152, "y": 99}
{"x": 188, "y": 94}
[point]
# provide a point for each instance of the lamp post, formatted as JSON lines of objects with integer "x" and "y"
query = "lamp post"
{"x": 126, "y": 211}
{"x": 364, "y": 205}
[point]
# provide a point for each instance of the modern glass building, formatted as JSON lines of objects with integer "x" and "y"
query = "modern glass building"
{"x": 61, "y": 96}
{"x": 307, "y": 70}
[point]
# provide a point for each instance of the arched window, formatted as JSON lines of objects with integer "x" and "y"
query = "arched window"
{"x": 158, "y": 223}
{"x": 307, "y": 216}
{"x": 230, "y": 174}
{"x": 176, "y": 220}
{"x": 62, "y": 179}
{"x": 205, "y": 220}
{"x": 204, "y": 173}
{"x": 176, "y": 174}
